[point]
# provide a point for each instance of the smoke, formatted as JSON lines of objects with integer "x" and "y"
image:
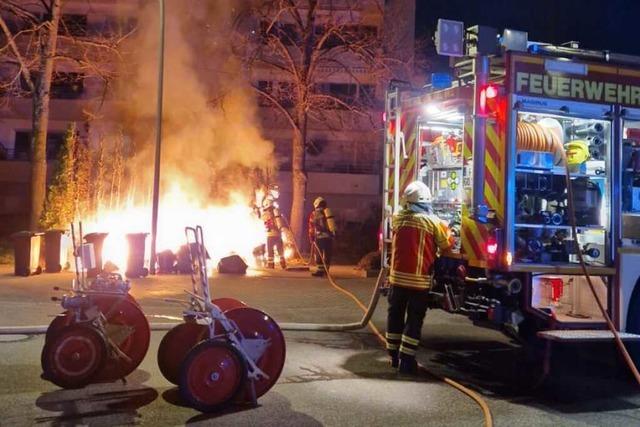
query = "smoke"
{"x": 211, "y": 141}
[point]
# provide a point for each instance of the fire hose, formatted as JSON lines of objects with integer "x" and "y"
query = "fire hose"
{"x": 572, "y": 218}
{"x": 366, "y": 320}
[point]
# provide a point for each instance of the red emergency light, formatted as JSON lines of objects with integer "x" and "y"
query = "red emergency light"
{"x": 492, "y": 247}
{"x": 491, "y": 91}
{"x": 487, "y": 92}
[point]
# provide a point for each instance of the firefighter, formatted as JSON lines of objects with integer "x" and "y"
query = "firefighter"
{"x": 417, "y": 236}
{"x": 322, "y": 230}
{"x": 273, "y": 226}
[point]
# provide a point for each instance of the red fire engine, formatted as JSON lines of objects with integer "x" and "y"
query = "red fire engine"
{"x": 485, "y": 145}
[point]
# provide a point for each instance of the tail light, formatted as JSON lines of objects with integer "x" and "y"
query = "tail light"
{"x": 494, "y": 248}
{"x": 486, "y": 93}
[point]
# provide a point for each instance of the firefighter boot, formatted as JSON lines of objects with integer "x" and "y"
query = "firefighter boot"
{"x": 408, "y": 366}
{"x": 393, "y": 358}
{"x": 271, "y": 264}
{"x": 283, "y": 263}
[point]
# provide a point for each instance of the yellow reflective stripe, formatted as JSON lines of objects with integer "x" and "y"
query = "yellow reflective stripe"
{"x": 411, "y": 285}
{"x": 412, "y": 222}
{"x": 391, "y": 346}
{"x": 407, "y": 350}
{"x": 410, "y": 340}
{"x": 392, "y": 336}
{"x": 410, "y": 276}
{"x": 420, "y": 253}
{"x": 396, "y": 279}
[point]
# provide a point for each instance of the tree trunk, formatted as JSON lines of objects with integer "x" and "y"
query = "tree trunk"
{"x": 299, "y": 182}
{"x": 40, "y": 123}
{"x": 298, "y": 172}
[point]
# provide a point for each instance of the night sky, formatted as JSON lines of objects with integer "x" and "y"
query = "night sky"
{"x": 612, "y": 25}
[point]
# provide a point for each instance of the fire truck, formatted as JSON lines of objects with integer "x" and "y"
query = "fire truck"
{"x": 482, "y": 140}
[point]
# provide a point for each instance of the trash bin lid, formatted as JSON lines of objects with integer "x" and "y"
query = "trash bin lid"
{"x": 55, "y": 231}
{"x": 90, "y": 235}
{"x": 25, "y": 233}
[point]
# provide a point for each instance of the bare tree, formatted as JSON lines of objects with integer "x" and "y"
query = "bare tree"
{"x": 306, "y": 44}
{"x": 34, "y": 39}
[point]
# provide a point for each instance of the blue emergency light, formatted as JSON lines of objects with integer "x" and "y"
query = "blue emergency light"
{"x": 441, "y": 80}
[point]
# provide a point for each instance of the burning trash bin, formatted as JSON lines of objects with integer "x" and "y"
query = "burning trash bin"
{"x": 97, "y": 240}
{"x": 135, "y": 260}
{"x": 53, "y": 251}
{"x": 26, "y": 246}
{"x": 166, "y": 262}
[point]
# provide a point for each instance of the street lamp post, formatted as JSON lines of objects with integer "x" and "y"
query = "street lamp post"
{"x": 156, "y": 170}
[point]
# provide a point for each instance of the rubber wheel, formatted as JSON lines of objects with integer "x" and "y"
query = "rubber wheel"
{"x": 175, "y": 346}
{"x": 212, "y": 376}
{"x": 127, "y": 327}
{"x": 257, "y": 324}
{"x": 226, "y": 304}
{"x": 73, "y": 355}
{"x": 57, "y": 324}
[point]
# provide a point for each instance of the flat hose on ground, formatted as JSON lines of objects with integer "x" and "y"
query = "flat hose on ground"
{"x": 368, "y": 312}
{"x": 574, "y": 229}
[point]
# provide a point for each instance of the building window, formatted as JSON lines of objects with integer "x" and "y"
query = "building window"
{"x": 282, "y": 92}
{"x": 63, "y": 85}
{"x": 349, "y": 93}
{"x": 22, "y": 147}
{"x": 346, "y": 35}
{"x": 73, "y": 25}
{"x": 67, "y": 85}
{"x": 288, "y": 34}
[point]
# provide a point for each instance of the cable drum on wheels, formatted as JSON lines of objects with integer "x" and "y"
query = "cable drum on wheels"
{"x": 65, "y": 318}
{"x": 179, "y": 340}
{"x": 57, "y": 324}
{"x": 175, "y": 346}
{"x": 73, "y": 355}
{"x": 127, "y": 330}
{"x": 212, "y": 375}
{"x": 226, "y": 304}
{"x": 260, "y": 328}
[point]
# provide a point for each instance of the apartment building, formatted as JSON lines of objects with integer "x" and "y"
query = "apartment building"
{"x": 344, "y": 155}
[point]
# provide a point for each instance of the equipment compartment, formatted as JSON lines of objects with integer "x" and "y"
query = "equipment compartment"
{"x": 542, "y": 230}
{"x": 567, "y": 297}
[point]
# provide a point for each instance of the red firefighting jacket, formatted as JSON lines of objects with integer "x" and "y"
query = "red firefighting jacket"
{"x": 416, "y": 239}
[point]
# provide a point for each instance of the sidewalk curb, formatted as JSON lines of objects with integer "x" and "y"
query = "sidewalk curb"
{"x": 42, "y": 329}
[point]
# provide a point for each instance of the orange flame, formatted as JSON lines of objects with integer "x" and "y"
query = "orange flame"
{"x": 228, "y": 229}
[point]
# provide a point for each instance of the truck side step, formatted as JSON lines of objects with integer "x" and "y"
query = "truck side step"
{"x": 583, "y": 335}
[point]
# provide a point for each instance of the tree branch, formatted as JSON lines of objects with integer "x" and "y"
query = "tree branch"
{"x": 24, "y": 69}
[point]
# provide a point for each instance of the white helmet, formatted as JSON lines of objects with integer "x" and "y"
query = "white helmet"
{"x": 318, "y": 202}
{"x": 417, "y": 192}
{"x": 267, "y": 202}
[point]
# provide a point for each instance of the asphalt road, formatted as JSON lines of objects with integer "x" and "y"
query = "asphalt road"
{"x": 329, "y": 378}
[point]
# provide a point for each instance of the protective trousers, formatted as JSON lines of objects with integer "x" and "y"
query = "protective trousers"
{"x": 325, "y": 246}
{"x": 407, "y": 308}
{"x": 275, "y": 242}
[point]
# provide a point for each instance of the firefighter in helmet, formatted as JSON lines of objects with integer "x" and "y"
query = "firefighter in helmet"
{"x": 273, "y": 226}
{"x": 322, "y": 230}
{"x": 417, "y": 237}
